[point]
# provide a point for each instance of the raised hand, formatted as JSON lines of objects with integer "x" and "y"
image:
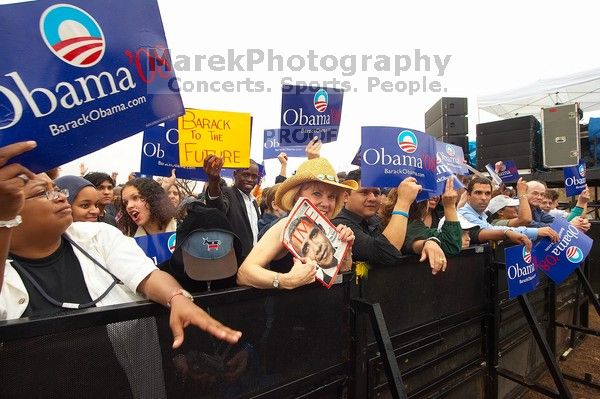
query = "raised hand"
{"x": 13, "y": 178}
{"x": 450, "y": 194}
{"x": 313, "y": 148}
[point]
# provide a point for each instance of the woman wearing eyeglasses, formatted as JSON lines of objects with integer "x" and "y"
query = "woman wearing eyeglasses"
{"x": 48, "y": 264}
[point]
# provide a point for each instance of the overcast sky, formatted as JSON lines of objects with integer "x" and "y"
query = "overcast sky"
{"x": 489, "y": 47}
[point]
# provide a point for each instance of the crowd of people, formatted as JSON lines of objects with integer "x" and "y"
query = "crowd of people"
{"x": 67, "y": 243}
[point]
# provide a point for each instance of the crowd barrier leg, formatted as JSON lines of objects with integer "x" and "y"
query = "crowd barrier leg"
{"x": 392, "y": 371}
{"x": 538, "y": 334}
{"x": 576, "y": 327}
{"x": 588, "y": 289}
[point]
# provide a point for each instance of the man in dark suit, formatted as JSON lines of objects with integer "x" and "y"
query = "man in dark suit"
{"x": 237, "y": 202}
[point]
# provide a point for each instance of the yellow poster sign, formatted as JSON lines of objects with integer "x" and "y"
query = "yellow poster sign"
{"x": 224, "y": 134}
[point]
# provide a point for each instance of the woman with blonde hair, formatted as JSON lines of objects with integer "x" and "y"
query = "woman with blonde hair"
{"x": 316, "y": 180}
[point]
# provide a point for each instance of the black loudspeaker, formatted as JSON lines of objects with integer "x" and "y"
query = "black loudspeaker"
{"x": 449, "y": 125}
{"x": 461, "y": 141}
{"x": 446, "y": 106}
{"x": 516, "y": 139}
{"x": 508, "y": 125}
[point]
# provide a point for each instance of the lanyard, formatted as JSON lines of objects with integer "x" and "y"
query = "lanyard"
{"x": 69, "y": 305}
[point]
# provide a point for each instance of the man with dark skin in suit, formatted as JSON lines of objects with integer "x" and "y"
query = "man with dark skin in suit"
{"x": 237, "y": 202}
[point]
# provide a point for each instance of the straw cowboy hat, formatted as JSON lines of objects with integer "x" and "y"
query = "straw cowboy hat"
{"x": 314, "y": 170}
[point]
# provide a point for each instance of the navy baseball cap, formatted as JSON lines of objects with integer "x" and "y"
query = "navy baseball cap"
{"x": 209, "y": 255}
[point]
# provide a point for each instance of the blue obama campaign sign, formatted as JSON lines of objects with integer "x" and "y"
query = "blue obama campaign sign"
{"x": 521, "y": 274}
{"x": 558, "y": 260}
{"x": 307, "y": 112}
{"x": 443, "y": 172}
{"x": 77, "y": 77}
{"x": 391, "y": 154}
{"x": 506, "y": 171}
{"x": 160, "y": 153}
{"x": 272, "y": 146}
{"x": 452, "y": 156}
{"x": 449, "y": 162}
{"x": 575, "y": 179}
{"x": 158, "y": 247}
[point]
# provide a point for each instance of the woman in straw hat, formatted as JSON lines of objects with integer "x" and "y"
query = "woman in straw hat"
{"x": 316, "y": 180}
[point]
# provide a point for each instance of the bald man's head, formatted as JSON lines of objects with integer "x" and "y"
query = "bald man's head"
{"x": 535, "y": 193}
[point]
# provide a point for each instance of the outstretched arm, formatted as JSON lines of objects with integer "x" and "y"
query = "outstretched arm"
{"x": 161, "y": 287}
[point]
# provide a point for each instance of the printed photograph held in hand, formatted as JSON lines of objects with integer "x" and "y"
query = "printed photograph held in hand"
{"x": 310, "y": 235}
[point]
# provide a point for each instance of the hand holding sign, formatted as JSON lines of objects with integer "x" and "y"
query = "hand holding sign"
{"x": 212, "y": 167}
{"x": 584, "y": 198}
{"x": 548, "y": 232}
{"x": 521, "y": 187}
{"x": 518, "y": 238}
{"x": 313, "y": 148}
{"x": 283, "y": 159}
{"x": 167, "y": 182}
{"x": 581, "y": 223}
{"x": 407, "y": 192}
{"x": 450, "y": 194}
{"x": 83, "y": 169}
{"x": 12, "y": 179}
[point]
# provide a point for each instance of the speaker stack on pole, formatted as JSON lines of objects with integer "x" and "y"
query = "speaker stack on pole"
{"x": 447, "y": 121}
{"x": 516, "y": 139}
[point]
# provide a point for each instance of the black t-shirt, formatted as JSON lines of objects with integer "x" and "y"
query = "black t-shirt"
{"x": 59, "y": 274}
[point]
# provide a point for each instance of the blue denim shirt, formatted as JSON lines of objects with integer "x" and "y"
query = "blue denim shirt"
{"x": 540, "y": 218}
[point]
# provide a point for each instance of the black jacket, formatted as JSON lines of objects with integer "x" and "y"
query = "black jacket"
{"x": 370, "y": 245}
{"x": 231, "y": 203}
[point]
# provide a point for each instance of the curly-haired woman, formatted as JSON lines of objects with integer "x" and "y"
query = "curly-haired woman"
{"x": 145, "y": 209}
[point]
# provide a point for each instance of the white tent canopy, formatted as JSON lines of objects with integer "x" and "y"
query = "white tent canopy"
{"x": 582, "y": 87}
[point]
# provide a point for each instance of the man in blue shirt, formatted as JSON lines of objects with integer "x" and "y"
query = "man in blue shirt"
{"x": 540, "y": 218}
{"x": 479, "y": 194}
{"x": 535, "y": 196}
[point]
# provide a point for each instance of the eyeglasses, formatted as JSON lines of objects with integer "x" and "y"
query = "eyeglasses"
{"x": 51, "y": 195}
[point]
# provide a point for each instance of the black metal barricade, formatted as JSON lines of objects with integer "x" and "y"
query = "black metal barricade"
{"x": 400, "y": 332}
{"x": 435, "y": 324}
{"x": 294, "y": 345}
{"x": 523, "y": 340}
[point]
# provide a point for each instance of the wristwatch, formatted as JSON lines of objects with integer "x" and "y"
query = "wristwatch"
{"x": 11, "y": 223}
{"x": 179, "y": 291}
{"x": 276, "y": 281}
